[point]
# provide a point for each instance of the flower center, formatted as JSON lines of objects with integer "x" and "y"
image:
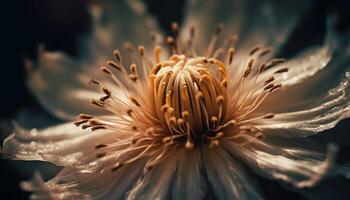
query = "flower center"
{"x": 189, "y": 95}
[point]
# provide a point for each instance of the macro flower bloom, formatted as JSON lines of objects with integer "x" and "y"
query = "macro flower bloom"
{"x": 181, "y": 117}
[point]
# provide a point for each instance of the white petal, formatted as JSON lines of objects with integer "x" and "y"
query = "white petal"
{"x": 61, "y": 83}
{"x": 295, "y": 165}
{"x": 310, "y": 75}
{"x": 63, "y": 145}
{"x": 305, "y": 64}
{"x": 70, "y": 184}
{"x": 268, "y": 23}
{"x": 226, "y": 177}
{"x": 57, "y": 85}
{"x": 324, "y": 113}
{"x": 156, "y": 183}
{"x": 189, "y": 182}
{"x": 48, "y": 192}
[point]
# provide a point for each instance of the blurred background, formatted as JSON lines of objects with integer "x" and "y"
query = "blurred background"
{"x": 59, "y": 23}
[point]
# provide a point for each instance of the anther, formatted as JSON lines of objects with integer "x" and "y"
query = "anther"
{"x": 220, "y": 99}
{"x": 117, "y": 56}
{"x": 223, "y": 83}
{"x": 97, "y": 103}
{"x": 275, "y": 87}
{"x": 189, "y": 145}
{"x": 172, "y": 120}
{"x": 113, "y": 65}
{"x": 157, "y": 51}
{"x": 133, "y": 68}
{"x": 276, "y": 61}
{"x": 107, "y": 91}
{"x": 85, "y": 116}
{"x": 85, "y": 126}
{"x": 129, "y": 112}
{"x": 170, "y": 41}
{"x": 106, "y": 70}
{"x": 180, "y": 122}
{"x": 99, "y": 146}
{"x": 283, "y": 70}
{"x": 269, "y": 86}
{"x": 185, "y": 115}
{"x": 141, "y": 50}
{"x": 94, "y": 81}
{"x": 133, "y": 77}
{"x": 269, "y": 80}
{"x": 231, "y": 52}
{"x": 95, "y": 128}
{"x": 254, "y": 50}
{"x": 266, "y": 51}
{"x": 80, "y": 122}
{"x": 249, "y": 68}
{"x": 95, "y": 122}
{"x": 269, "y": 116}
{"x": 134, "y": 101}
{"x": 104, "y": 98}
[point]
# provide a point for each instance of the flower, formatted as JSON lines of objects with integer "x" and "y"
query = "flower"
{"x": 182, "y": 123}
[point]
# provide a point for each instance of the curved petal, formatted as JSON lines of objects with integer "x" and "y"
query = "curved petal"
{"x": 298, "y": 166}
{"x": 310, "y": 74}
{"x": 62, "y": 145}
{"x": 189, "y": 182}
{"x": 58, "y": 88}
{"x": 71, "y": 184}
{"x": 269, "y": 23}
{"x": 60, "y": 82}
{"x": 226, "y": 177}
{"x": 324, "y": 113}
{"x": 43, "y": 192}
{"x": 303, "y": 65}
{"x": 156, "y": 183}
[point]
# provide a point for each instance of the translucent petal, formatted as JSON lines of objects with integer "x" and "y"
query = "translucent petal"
{"x": 45, "y": 192}
{"x": 310, "y": 74}
{"x": 61, "y": 82}
{"x": 156, "y": 183}
{"x": 267, "y": 24}
{"x": 303, "y": 65}
{"x": 62, "y": 145}
{"x": 295, "y": 165}
{"x": 189, "y": 182}
{"x": 71, "y": 184}
{"x": 226, "y": 177}
{"x": 323, "y": 113}
{"x": 57, "y": 85}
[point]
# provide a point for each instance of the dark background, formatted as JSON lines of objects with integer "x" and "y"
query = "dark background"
{"x": 59, "y": 23}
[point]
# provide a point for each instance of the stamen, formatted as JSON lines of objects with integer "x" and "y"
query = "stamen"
{"x": 114, "y": 65}
{"x": 213, "y": 40}
{"x": 134, "y": 101}
{"x": 254, "y": 50}
{"x": 231, "y": 52}
{"x": 283, "y": 70}
{"x": 249, "y": 68}
{"x": 265, "y": 52}
{"x": 117, "y": 55}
